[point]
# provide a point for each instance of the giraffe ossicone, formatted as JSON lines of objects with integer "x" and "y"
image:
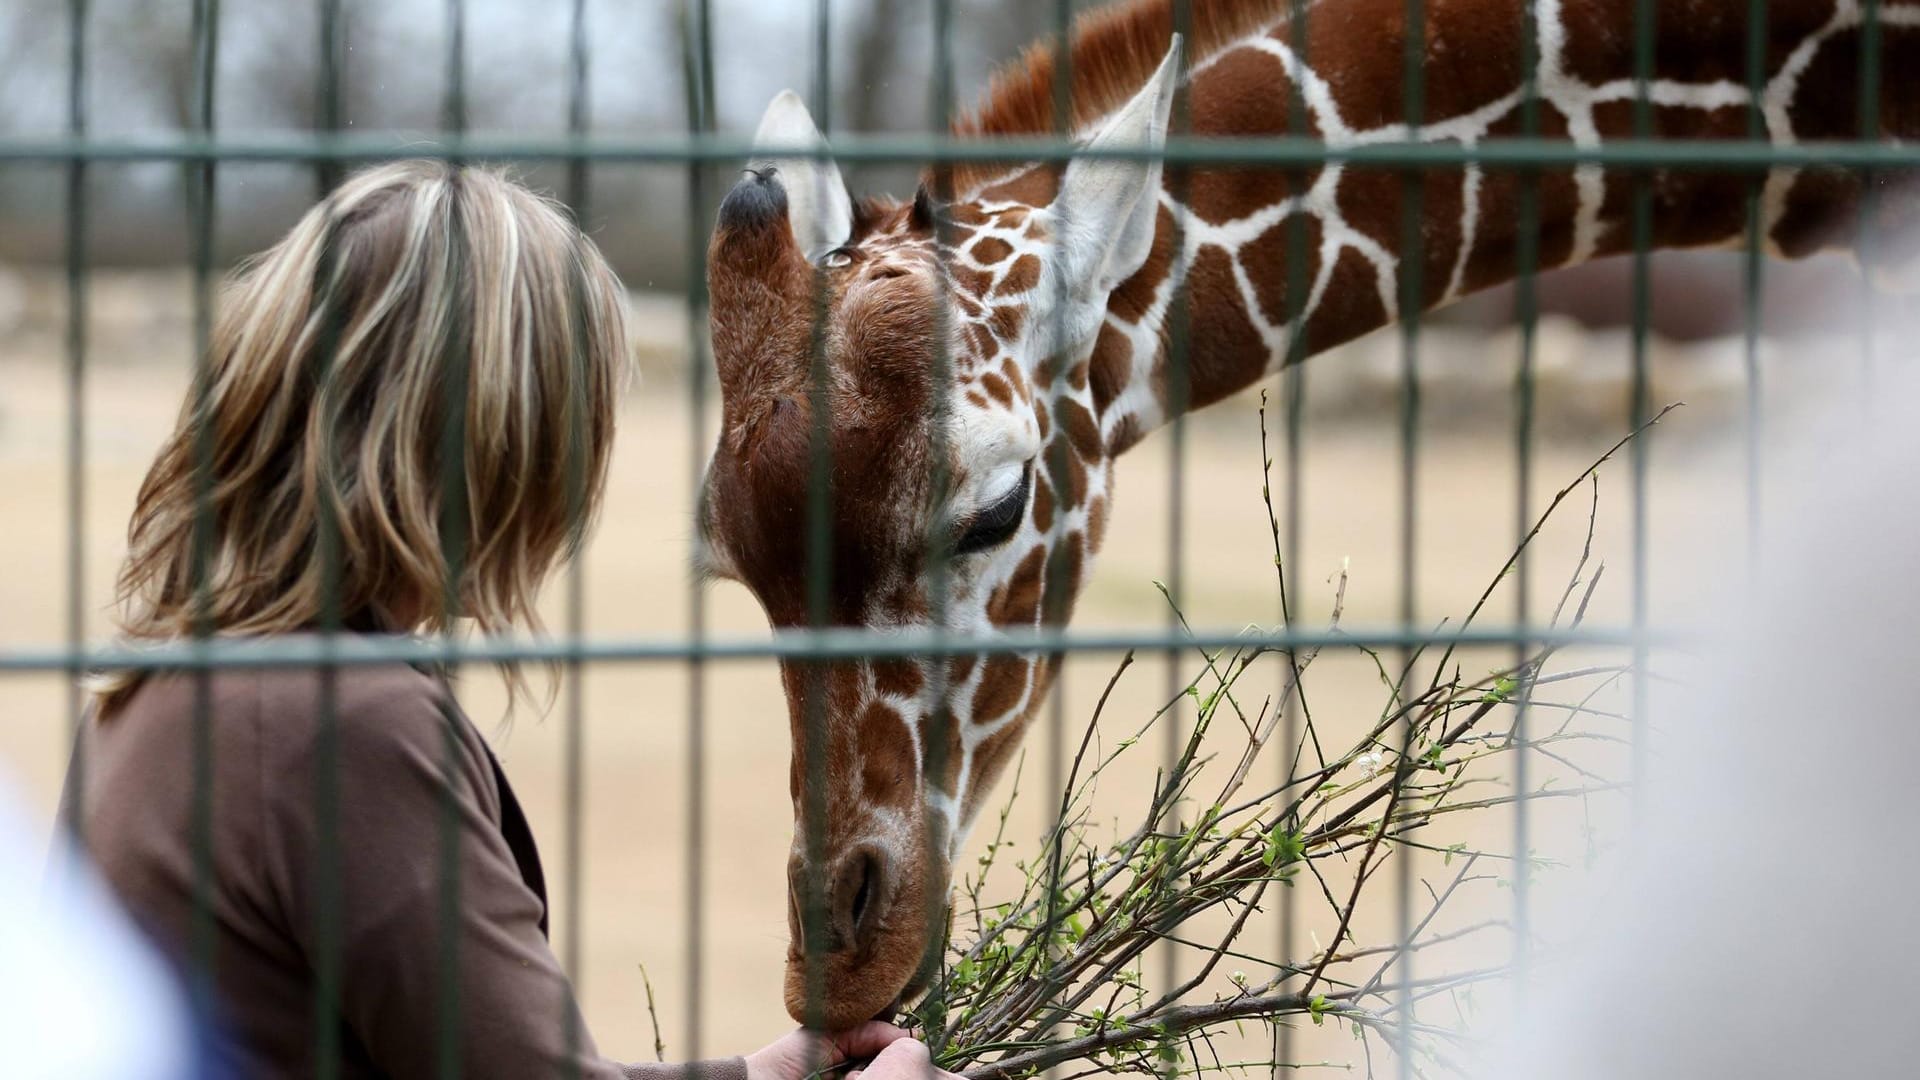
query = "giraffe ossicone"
{"x": 1018, "y": 326}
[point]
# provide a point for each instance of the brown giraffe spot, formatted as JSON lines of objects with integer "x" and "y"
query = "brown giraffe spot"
{"x": 1064, "y": 564}
{"x": 992, "y": 756}
{"x": 1021, "y": 279}
{"x": 1111, "y": 366}
{"x": 1042, "y": 503}
{"x": 1690, "y": 208}
{"x": 1126, "y": 434}
{"x": 1015, "y": 377}
{"x": 1081, "y": 430}
{"x": 1376, "y": 202}
{"x": 1692, "y": 43}
{"x": 1013, "y": 219}
{"x": 897, "y": 678}
{"x": 976, "y": 399}
{"x": 941, "y": 735}
{"x": 886, "y": 757}
{"x": 1066, "y": 471}
{"x": 1223, "y": 344}
{"x": 1040, "y": 416}
{"x": 958, "y": 669}
{"x": 1096, "y": 522}
{"x": 1002, "y": 685}
{"x": 1035, "y": 187}
{"x": 1134, "y": 296}
{"x": 980, "y": 340}
{"x": 1017, "y": 601}
{"x": 1494, "y": 252}
{"x": 1818, "y": 215}
{"x": 990, "y": 251}
{"x": 965, "y": 216}
{"x": 970, "y": 282}
{"x": 997, "y": 388}
{"x": 1006, "y": 320}
{"x": 1460, "y": 74}
{"x": 1822, "y": 207}
{"x": 1221, "y": 102}
{"x": 1271, "y": 256}
{"x": 1352, "y": 305}
{"x": 967, "y": 305}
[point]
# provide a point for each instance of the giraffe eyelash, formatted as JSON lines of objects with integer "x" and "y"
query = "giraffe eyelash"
{"x": 996, "y": 524}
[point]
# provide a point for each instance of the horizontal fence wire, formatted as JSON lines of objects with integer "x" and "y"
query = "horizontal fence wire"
{"x": 1513, "y": 153}
{"x": 359, "y": 650}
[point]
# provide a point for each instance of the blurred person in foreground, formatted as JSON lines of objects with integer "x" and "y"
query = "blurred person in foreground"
{"x": 82, "y": 996}
{"x": 421, "y": 306}
{"x": 1763, "y": 926}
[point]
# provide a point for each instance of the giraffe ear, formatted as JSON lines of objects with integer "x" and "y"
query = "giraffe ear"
{"x": 1107, "y": 208}
{"x": 818, "y": 206}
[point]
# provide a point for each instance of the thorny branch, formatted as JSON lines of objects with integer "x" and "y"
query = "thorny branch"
{"x": 1054, "y": 976}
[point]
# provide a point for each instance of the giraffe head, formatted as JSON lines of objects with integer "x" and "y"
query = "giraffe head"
{"x": 965, "y": 481}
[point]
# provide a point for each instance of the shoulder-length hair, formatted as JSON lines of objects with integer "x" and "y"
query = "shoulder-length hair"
{"x": 404, "y": 420}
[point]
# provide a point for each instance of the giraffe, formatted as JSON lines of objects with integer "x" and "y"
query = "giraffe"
{"x": 1047, "y": 292}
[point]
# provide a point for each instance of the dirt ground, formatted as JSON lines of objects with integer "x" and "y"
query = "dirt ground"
{"x": 634, "y": 867}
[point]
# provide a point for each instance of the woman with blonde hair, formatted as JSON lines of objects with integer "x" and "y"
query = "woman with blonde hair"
{"x": 403, "y": 423}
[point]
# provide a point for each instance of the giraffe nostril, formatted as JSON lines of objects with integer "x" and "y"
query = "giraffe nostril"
{"x": 862, "y": 892}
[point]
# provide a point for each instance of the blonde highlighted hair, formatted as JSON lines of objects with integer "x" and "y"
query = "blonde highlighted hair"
{"x": 425, "y": 370}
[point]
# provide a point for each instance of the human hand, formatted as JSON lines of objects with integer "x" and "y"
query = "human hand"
{"x": 799, "y": 1054}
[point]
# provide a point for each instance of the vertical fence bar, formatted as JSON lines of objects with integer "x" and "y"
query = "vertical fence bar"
{"x": 819, "y": 549}
{"x": 939, "y": 727}
{"x": 200, "y": 200}
{"x": 822, "y": 56}
{"x": 1640, "y": 406}
{"x": 453, "y": 108}
{"x": 454, "y": 526}
{"x": 328, "y": 110}
{"x": 697, "y": 63}
{"x": 1527, "y": 311}
{"x": 77, "y": 266}
{"x": 1412, "y": 302}
{"x": 327, "y": 946}
{"x": 1054, "y": 839}
{"x": 1754, "y": 264}
{"x": 1294, "y": 703}
{"x": 328, "y": 960}
{"x": 1867, "y": 242}
{"x": 1179, "y": 391}
{"x": 573, "y": 824}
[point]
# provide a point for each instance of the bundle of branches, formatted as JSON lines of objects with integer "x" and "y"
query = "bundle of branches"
{"x": 1054, "y": 977}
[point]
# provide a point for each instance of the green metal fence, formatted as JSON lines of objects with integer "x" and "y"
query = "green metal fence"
{"x": 329, "y": 151}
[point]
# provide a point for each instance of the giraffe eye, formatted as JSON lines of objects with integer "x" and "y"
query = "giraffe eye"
{"x": 996, "y": 524}
{"x": 837, "y": 258}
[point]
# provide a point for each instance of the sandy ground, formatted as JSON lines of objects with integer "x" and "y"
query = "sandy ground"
{"x": 634, "y": 866}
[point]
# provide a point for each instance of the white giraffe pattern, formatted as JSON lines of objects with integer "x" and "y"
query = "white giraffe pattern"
{"x": 1138, "y": 404}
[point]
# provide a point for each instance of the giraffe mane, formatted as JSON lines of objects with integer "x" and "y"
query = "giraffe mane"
{"x": 1115, "y": 49}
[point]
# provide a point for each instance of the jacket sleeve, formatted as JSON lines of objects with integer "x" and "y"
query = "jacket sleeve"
{"x": 440, "y": 954}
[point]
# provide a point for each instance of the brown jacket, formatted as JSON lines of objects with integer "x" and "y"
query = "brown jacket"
{"x": 417, "y": 791}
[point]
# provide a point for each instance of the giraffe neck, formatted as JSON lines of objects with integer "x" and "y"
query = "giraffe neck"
{"x": 1225, "y": 235}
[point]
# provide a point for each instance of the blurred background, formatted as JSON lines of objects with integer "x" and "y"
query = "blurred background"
{"x": 722, "y": 995}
